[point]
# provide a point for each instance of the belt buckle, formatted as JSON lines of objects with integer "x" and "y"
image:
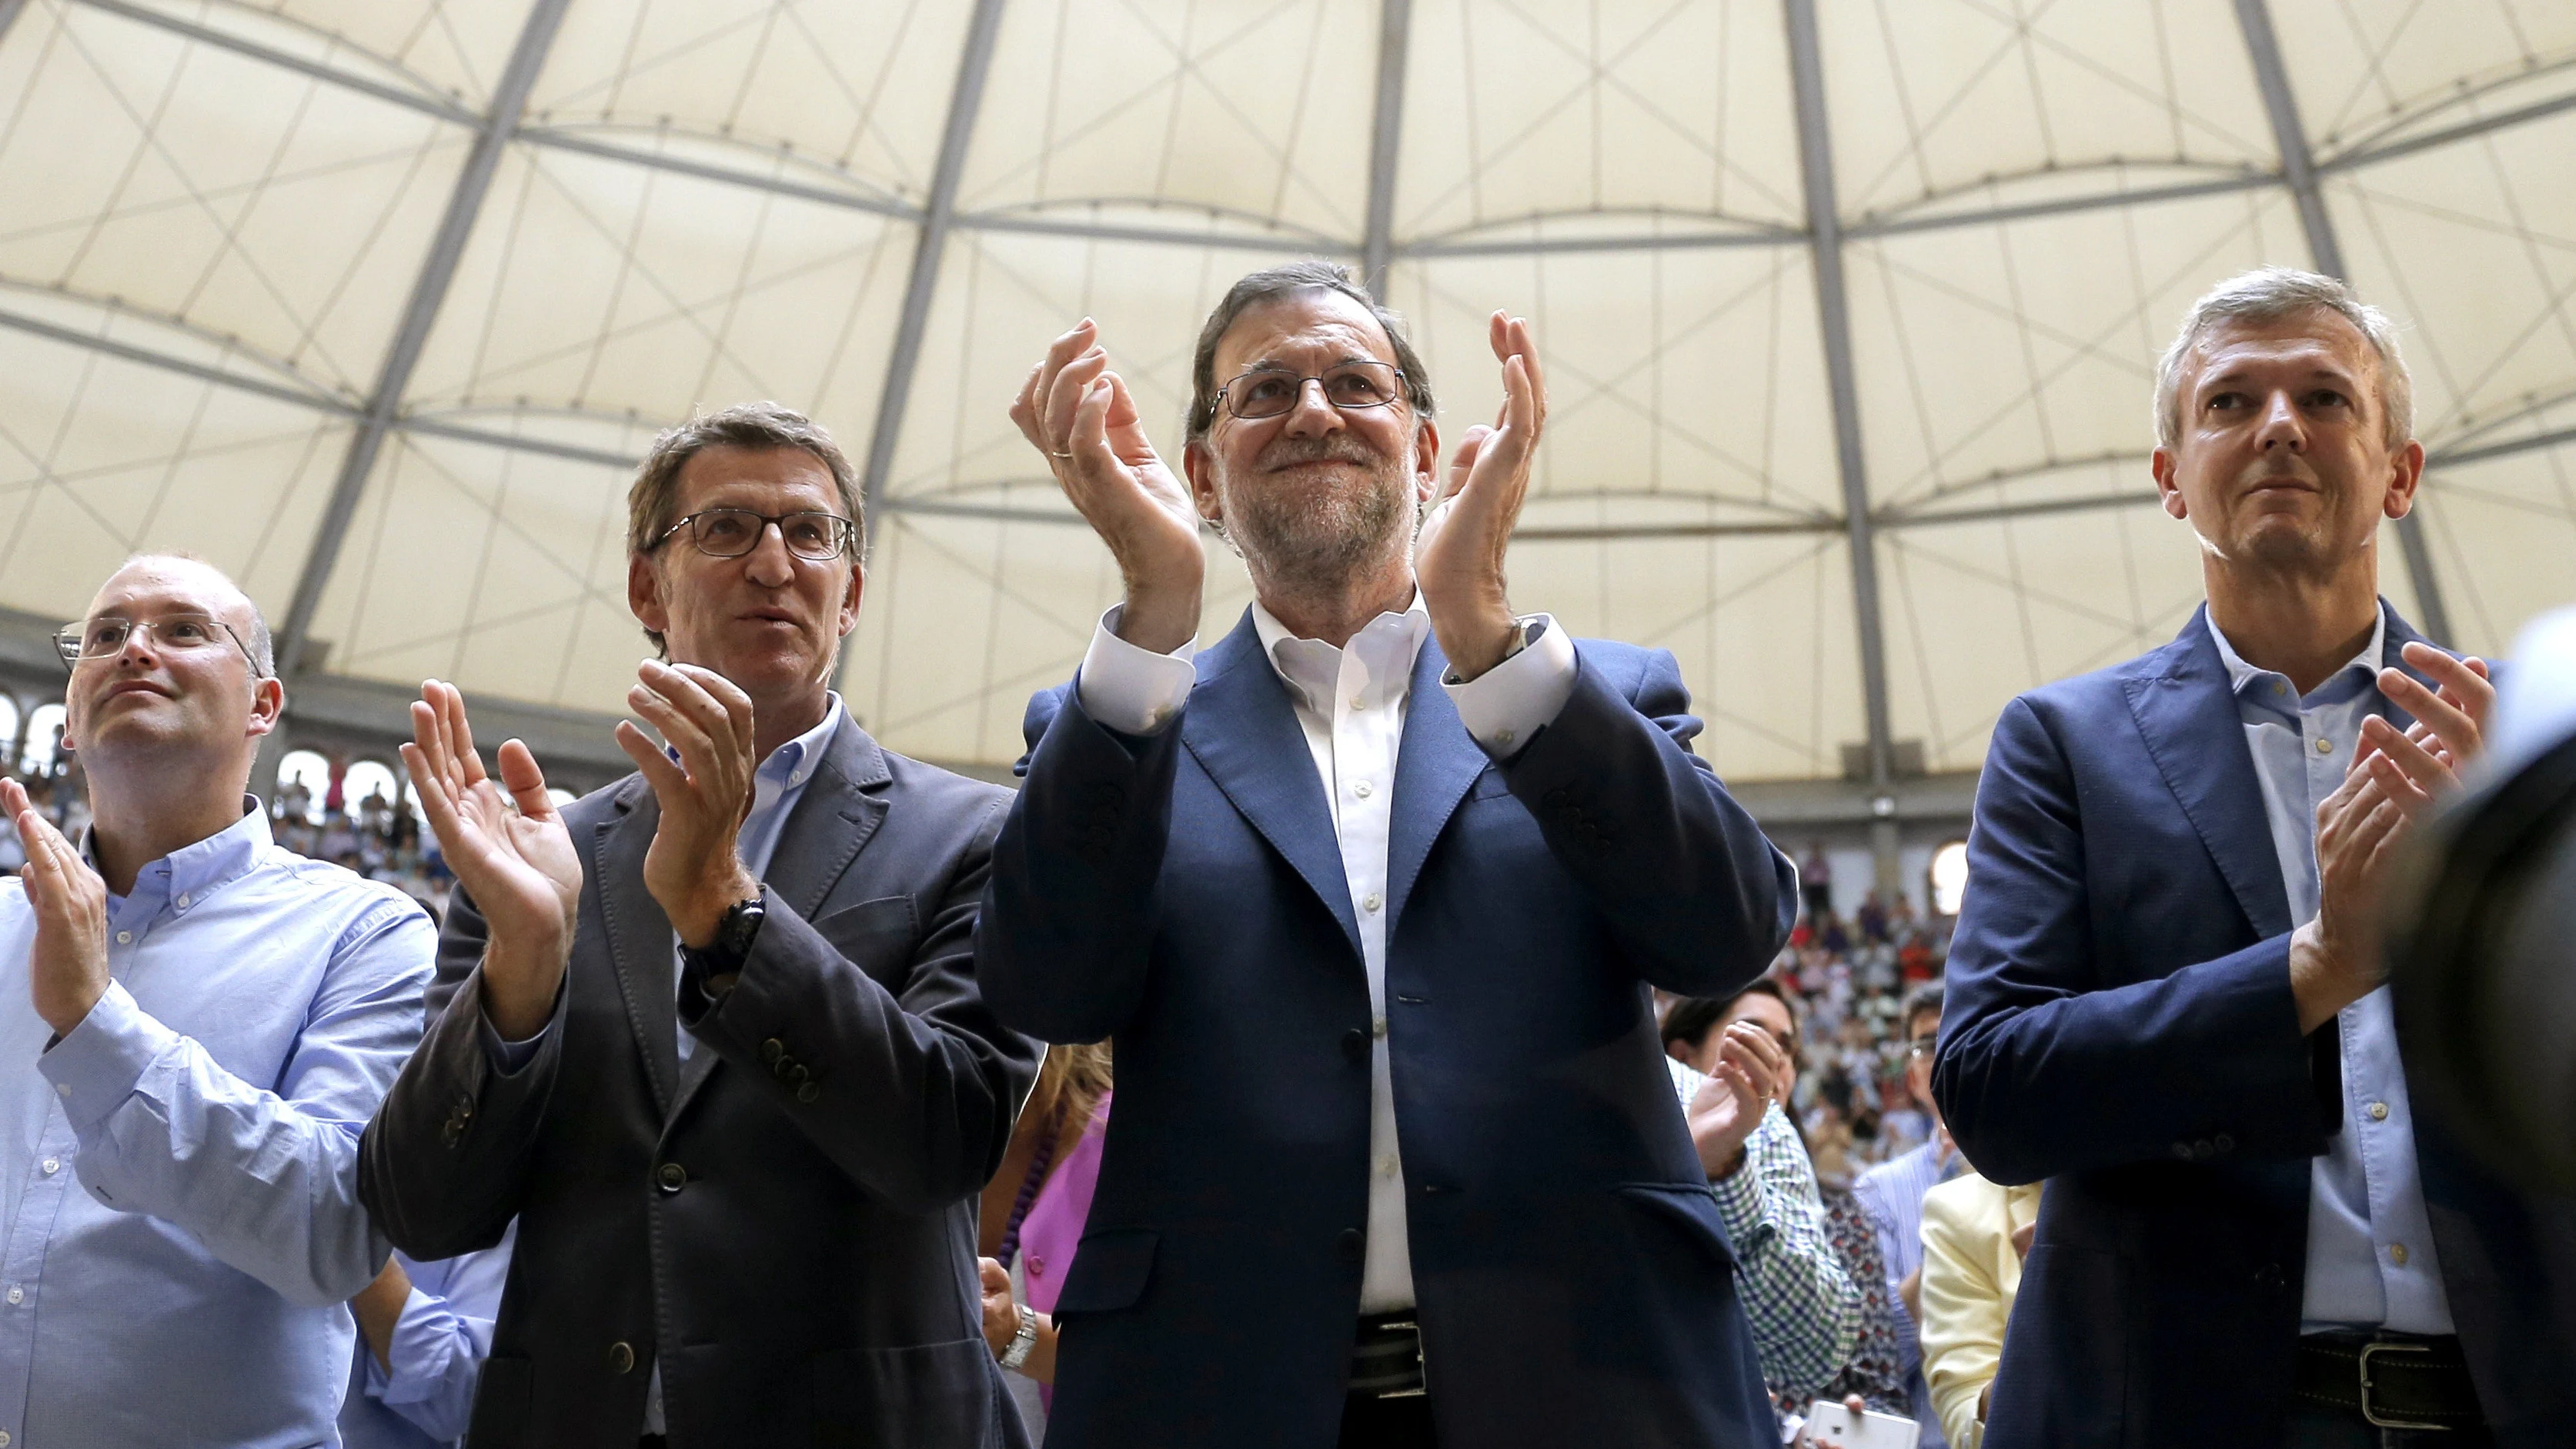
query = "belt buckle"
{"x": 1420, "y": 1390}
{"x": 2370, "y": 1411}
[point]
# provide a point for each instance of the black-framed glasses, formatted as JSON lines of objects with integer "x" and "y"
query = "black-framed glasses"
{"x": 1269, "y": 392}
{"x": 104, "y": 637}
{"x": 732, "y": 532}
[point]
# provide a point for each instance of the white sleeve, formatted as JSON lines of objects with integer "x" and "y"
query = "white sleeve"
{"x": 1517, "y": 698}
{"x": 1134, "y": 691}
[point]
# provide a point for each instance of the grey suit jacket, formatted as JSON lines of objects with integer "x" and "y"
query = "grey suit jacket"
{"x": 786, "y": 1225}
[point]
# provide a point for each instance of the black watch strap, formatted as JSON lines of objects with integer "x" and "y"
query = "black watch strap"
{"x": 739, "y": 927}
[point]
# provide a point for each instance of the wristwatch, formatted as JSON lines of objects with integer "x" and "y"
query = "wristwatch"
{"x": 1023, "y": 1341}
{"x": 724, "y": 955}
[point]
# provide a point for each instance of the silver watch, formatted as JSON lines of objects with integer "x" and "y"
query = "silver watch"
{"x": 1023, "y": 1341}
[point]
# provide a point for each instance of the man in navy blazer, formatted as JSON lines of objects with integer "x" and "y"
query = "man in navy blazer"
{"x": 2165, "y": 990}
{"x": 1369, "y": 895}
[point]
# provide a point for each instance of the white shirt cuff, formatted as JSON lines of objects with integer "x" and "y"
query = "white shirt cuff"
{"x": 1131, "y": 690}
{"x": 1517, "y": 698}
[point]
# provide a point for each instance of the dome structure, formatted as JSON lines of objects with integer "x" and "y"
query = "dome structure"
{"x": 1850, "y": 310}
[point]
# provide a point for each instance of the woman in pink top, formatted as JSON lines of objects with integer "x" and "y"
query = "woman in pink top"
{"x": 1033, "y": 1213}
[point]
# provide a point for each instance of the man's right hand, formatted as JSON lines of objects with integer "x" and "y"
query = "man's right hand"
{"x": 1079, "y": 414}
{"x": 2335, "y": 960}
{"x": 508, "y": 848}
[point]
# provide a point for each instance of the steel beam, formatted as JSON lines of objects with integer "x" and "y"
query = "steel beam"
{"x": 423, "y": 100}
{"x": 420, "y": 313}
{"x": 2299, "y": 174}
{"x": 851, "y": 198}
{"x": 1386, "y": 142}
{"x": 2505, "y": 448}
{"x": 93, "y": 342}
{"x": 983, "y": 32}
{"x": 9, "y": 14}
{"x": 1833, "y": 309}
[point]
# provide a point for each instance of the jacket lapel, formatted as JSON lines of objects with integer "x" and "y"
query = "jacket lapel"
{"x": 1434, "y": 765}
{"x": 2184, "y": 708}
{"x": 640, "y": 949}
{"x": 1242, "y": 729}
{"x": 841, "y": 808}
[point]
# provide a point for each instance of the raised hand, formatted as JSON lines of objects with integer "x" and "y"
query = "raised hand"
{"x": 2419, "y": 766}
{"x": 2335, "y": 960}
{"x": 1752, "y": 1072}
{"x": 692, "y": 868}
{"x": 67, "y": 964}
{"x": 1458, "y": 556}
{"x": 508, "y": 848}
{"x": 1079, "y": 414}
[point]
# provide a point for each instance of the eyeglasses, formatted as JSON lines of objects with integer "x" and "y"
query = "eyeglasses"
{"x": 1922, "y": 1046}
{"x": 104, "y": 637}
{"x": 1269, "y": 392}
{"x": 733, "y": 532}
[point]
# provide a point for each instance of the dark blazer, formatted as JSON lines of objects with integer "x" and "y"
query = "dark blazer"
{"x": 785, "y": 1224}
{"x": 2120, "y": 1023}
{"x": 1183, "y": 892}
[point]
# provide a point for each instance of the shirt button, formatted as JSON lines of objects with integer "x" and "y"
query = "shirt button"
{"x": 2325, "y": 747}
{"x": 52, "y": 1165}
{"x": 1037, "y": 1265}
{"x": 2280, "y": 686}
{"x": 4, "y": 1439}
{"x": 2379, "y": 1111}
{"x": 17, "y": 1294}
{"x": 1386, "y": 1167}
{"x": 62, "y": 1089}
{"x": 183, "y": 898}
{"x": 1363, "y": 789}
{"x": 1502, "y": 737}
{"x": 125, "y": 938}
{"x": 1377, "y": 1027}
{"x": 2397, "y": 1254}
{"x": 1359, "y": 701}
{"x": 796, "y": 777}
{"x": 1370, "y": 902}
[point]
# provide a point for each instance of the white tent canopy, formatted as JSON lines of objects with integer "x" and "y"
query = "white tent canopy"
{"x": 375, "y": 304}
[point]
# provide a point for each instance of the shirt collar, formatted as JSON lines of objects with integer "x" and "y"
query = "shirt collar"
{"x": 193, "y": 872}
{"x": 2272, "y": 688}
{"x": 1387, "y": 645}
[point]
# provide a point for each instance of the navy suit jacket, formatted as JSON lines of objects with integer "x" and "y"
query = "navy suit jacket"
{"x": 2120, "y": 1023}
{"x": 1183, "y": 893}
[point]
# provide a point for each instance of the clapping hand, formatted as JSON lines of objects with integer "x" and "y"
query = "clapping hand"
{"x": 2416, "y": 767}
{"x": 692, "y": 868}
{"x": 1079, "y": 414}
{"x": 509, "y": 850}
{"x": 1752, "y": 1072}
{"x": 1458, "y": 555}
{"x": 67, "y": 964}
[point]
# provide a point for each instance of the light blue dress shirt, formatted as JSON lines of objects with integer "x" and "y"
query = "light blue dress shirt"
{"x": 439, "y": 1343}
{"x": 2370, "y": 1244}
{"x": 194, "y": 1287}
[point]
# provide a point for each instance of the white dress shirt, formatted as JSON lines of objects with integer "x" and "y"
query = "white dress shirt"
{"x": 1351, "y": 703}
{"x": 2370, "y": 1241}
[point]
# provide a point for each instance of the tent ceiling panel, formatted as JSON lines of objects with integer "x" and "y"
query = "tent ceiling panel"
{"x": 101, "y": 457}
{"x": 2014, "y": 348}
{"x": 602, "y": 286}
{"x": 183, "y": 179}
{"x": 862, "y": 89}
{"x": 451, "y": 47}
{"x": 2355, "y": 65}
{"x": 1516, "y": 109}
{"x": 2503, "y": 532}
{"x": 1261, "y": 110}
{"x": 1937, "y": 96}
{"x": 499, "y": 569}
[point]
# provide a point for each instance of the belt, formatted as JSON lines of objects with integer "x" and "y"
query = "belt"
{"x": 1386, "y": 1357}
{"x": 2393, "y": 1380}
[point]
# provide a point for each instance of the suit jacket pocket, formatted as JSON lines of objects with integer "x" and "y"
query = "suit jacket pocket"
{"x": 1111, "y": 1267}
{"x": 924, "y": 1393}
{"x": 876, "y": 936}
{"x": 1688, "y": 1210}
{"x": 501, "y": 1402}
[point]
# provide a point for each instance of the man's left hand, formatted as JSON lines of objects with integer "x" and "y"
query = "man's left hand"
{"x": 692, "y": 868}
{"x": 2419, "y": 766}
{"x": 1458, "y": 556}
{"x": 67, "y": 966}
{"x": 1752, "y": 1072}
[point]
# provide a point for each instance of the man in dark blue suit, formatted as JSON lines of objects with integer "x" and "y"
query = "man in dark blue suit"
{"x": 1368, "y": 895}
{"x": 2165, "y": 990}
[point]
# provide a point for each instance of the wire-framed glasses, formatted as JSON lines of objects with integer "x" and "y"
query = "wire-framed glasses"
{"x": 732, "y": 532}
{"x": 1268, "y": 392}
{"x": 104, "y": 637}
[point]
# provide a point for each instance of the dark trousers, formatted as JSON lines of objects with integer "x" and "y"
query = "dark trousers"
{"x": 1374, "y": 1423}
{"x": 2314, "y": 1426}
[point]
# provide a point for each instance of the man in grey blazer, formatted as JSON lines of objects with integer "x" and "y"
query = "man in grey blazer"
{"x": 712, "y": 1034}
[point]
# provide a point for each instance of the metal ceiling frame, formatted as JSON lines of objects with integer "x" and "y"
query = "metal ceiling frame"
{"x": 1386, "y": 142}
{"x": 2299, "y": 174}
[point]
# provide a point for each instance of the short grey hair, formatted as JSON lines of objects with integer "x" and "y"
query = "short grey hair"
{"x": 653, "y": 502}
{"x": 2272, "y": 294}
{"x": 1272, "y": 283}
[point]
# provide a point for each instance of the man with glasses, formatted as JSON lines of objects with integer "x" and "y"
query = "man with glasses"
{"x": 194, "y": 1026}
{"x": 711, "y": 1034}
{"x": 1369, "y": 894}
{"x": 1892, "y": 1195}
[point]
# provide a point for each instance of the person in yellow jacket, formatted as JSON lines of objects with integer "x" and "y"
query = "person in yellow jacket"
{"x": 1975, "y": 1235}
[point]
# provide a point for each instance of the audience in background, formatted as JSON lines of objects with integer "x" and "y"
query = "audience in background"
{"x": 1032, "y": 1217}
{"x": 1891, "y": 1194}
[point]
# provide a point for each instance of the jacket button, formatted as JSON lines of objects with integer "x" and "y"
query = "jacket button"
{"x": 1352, "y": 1244}
{"x": 2268, "y": 1276}
{"x": 807, "y": 1091}
{"x": 771, "y": 1050}
{"x": 621, "y": 1358}
{"x": 672, "y": 1176}
{"x": 2223, "y": 1142}
{"x": 2182, "y": 1151}
{"x": 1355, "y": 1043}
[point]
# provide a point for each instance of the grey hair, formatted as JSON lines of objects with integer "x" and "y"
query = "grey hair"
{"x": 653, "y": 502}
{"x": 2271, "y": 294}
{"x": 1272, "y": 283}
